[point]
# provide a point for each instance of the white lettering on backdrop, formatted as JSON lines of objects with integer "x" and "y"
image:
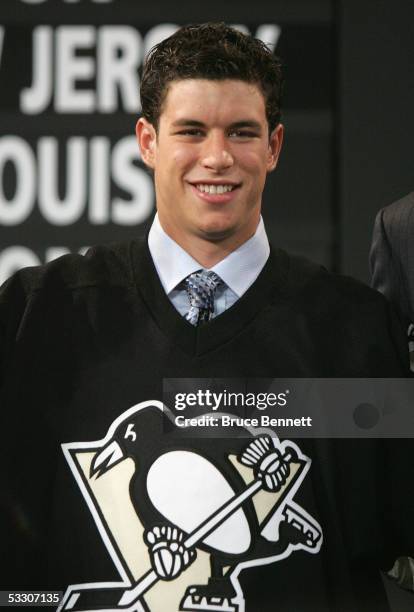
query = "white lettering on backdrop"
{"x": 90, "y": 168}
{"x": 119, "y": 51}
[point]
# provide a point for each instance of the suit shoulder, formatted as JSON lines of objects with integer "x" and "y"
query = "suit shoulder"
{"x": 398, "y": 216}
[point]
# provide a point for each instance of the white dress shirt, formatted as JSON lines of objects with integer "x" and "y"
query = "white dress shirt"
{"x": 237, "y": 271}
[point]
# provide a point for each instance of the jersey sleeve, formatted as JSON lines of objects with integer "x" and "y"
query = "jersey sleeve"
{"x": 12, "y": 307}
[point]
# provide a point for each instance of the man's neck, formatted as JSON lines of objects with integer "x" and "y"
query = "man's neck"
{"x": 206, "y": 251}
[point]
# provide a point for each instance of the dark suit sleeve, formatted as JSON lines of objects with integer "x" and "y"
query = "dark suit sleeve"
{"x": 386, "y": 271}
{"x": 391, "y": 270}
{"x": 392, "y": 255}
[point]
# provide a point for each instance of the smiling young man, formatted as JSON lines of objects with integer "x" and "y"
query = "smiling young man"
{"x": 210, "y": 152}
{"x": 100, "y": 499}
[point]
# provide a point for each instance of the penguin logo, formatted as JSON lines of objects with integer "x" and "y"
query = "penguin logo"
{"x": 181, "y": 516}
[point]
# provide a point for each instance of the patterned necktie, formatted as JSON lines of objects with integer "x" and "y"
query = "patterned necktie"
{"x": 201, "y": 286}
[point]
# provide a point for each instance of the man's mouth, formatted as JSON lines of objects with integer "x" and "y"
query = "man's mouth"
{"x": 214, "y": 189}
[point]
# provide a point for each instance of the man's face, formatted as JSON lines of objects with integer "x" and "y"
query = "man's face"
{"x": 210, "y": 159}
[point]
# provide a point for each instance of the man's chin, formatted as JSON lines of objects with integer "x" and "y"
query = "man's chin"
{"x": 216, "y": 232}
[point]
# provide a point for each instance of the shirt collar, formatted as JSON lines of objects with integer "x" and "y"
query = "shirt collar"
{"x": 238, "y": 270}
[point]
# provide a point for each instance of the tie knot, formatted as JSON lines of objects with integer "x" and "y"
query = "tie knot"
{"x": 201, "y": 286}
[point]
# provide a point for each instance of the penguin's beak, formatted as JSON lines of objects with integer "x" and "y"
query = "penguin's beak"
{"x": 105, "y": 459}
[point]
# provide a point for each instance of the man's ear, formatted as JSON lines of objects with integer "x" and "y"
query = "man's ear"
{"x": 275, "y": 144}
{"x": 147, "y": 141}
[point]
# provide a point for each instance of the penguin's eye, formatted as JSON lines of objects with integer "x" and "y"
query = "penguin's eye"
{"x": 130, "y": 432}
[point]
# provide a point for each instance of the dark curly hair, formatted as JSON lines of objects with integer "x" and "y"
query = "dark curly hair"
{"x": 210, "y": 51}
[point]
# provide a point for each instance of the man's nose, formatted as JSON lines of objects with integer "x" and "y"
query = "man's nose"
{"x": 216, "y": 154}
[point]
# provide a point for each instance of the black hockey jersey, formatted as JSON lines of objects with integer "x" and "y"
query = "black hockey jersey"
{"x": 102, "y": 501}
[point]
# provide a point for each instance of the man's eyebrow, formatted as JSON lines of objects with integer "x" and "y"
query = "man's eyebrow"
{"x": 248, "y": 123}
{"x": 186, "y": 122}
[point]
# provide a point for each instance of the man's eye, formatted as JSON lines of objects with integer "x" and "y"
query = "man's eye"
{"x": 242, "y": 134}
{"x": 190, "y": 132}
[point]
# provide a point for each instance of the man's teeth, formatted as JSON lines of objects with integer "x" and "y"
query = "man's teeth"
{"x": 215, "y": 188}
